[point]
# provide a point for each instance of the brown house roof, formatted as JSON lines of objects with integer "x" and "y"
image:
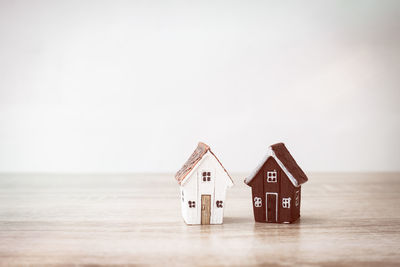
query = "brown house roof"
{"x": 196, "y": 156}
{"x": 286, "y": 162}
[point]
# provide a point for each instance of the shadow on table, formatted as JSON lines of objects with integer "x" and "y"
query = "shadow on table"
{"x": 237, "y": 220}
{"x": 302, "y": 221}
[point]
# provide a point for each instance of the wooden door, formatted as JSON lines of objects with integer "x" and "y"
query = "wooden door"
{"x": 272, "y": 208}
{"x": 205, "y": 209}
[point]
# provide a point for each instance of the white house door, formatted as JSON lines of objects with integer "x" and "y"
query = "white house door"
{"x": 205, "y": 209}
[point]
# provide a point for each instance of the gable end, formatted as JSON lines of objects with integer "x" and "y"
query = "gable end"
{"x": 287, "y": 164}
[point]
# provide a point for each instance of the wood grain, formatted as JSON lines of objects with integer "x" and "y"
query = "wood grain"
{"x": 346, "y": 220}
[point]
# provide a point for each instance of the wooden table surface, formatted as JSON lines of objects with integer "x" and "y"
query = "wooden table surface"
{"x": 346, "y": 220}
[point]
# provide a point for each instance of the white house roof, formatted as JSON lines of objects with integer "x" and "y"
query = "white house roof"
{"x": 196, "y": 156}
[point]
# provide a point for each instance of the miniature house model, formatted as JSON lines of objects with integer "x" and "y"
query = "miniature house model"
{"x": 203, "y": 181}
{"x": 276, "y": 187}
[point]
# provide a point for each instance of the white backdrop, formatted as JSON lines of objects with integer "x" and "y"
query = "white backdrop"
{"x": 132, "y": 86}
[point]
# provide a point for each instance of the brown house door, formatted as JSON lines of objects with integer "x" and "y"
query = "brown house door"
{"x": 205, "y": 209}
{"x": 272, "y": 207}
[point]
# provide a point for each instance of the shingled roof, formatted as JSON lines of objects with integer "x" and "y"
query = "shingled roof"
{"x": 287, "y": 163}
{"x": 196, "y": 156}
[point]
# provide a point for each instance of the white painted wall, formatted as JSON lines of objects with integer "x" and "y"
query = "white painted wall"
{"x": 129, "y": 86}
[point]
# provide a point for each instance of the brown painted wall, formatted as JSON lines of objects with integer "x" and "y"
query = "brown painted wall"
{"x": 258, "y": 191}
{"x": 296, "y": 209}
{"x": 283, "y": 187}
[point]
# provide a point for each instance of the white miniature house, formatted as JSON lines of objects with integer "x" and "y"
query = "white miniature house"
{"x": 203, "y": 182}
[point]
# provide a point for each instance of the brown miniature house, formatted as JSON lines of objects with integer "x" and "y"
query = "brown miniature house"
{"x": 276, "y": 187}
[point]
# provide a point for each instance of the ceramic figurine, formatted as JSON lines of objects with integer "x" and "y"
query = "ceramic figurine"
{"x": 203, "y": 182}
{"x": 276, "y": 187}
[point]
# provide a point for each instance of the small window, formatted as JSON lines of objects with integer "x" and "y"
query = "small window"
{"x": 192, "y": 204}
{"x": 220, "y": 204}
{"x": 257, "y": 202}
{"x": 297, "y": 198}
{"x": 206, "y": 176}
{"x": 272, "y": 176}
{"x": 183, "y": 196}
{"x": 286, "y": 203}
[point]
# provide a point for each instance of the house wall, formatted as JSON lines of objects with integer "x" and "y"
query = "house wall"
{"x": 194, "y": 188}
{"x": 286, "y": 191}
{"x": 221, "y": 184}
{"x": 189, "y": 190}
{"x": 257, "y": 185}
{"x": 296, "y": 208}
